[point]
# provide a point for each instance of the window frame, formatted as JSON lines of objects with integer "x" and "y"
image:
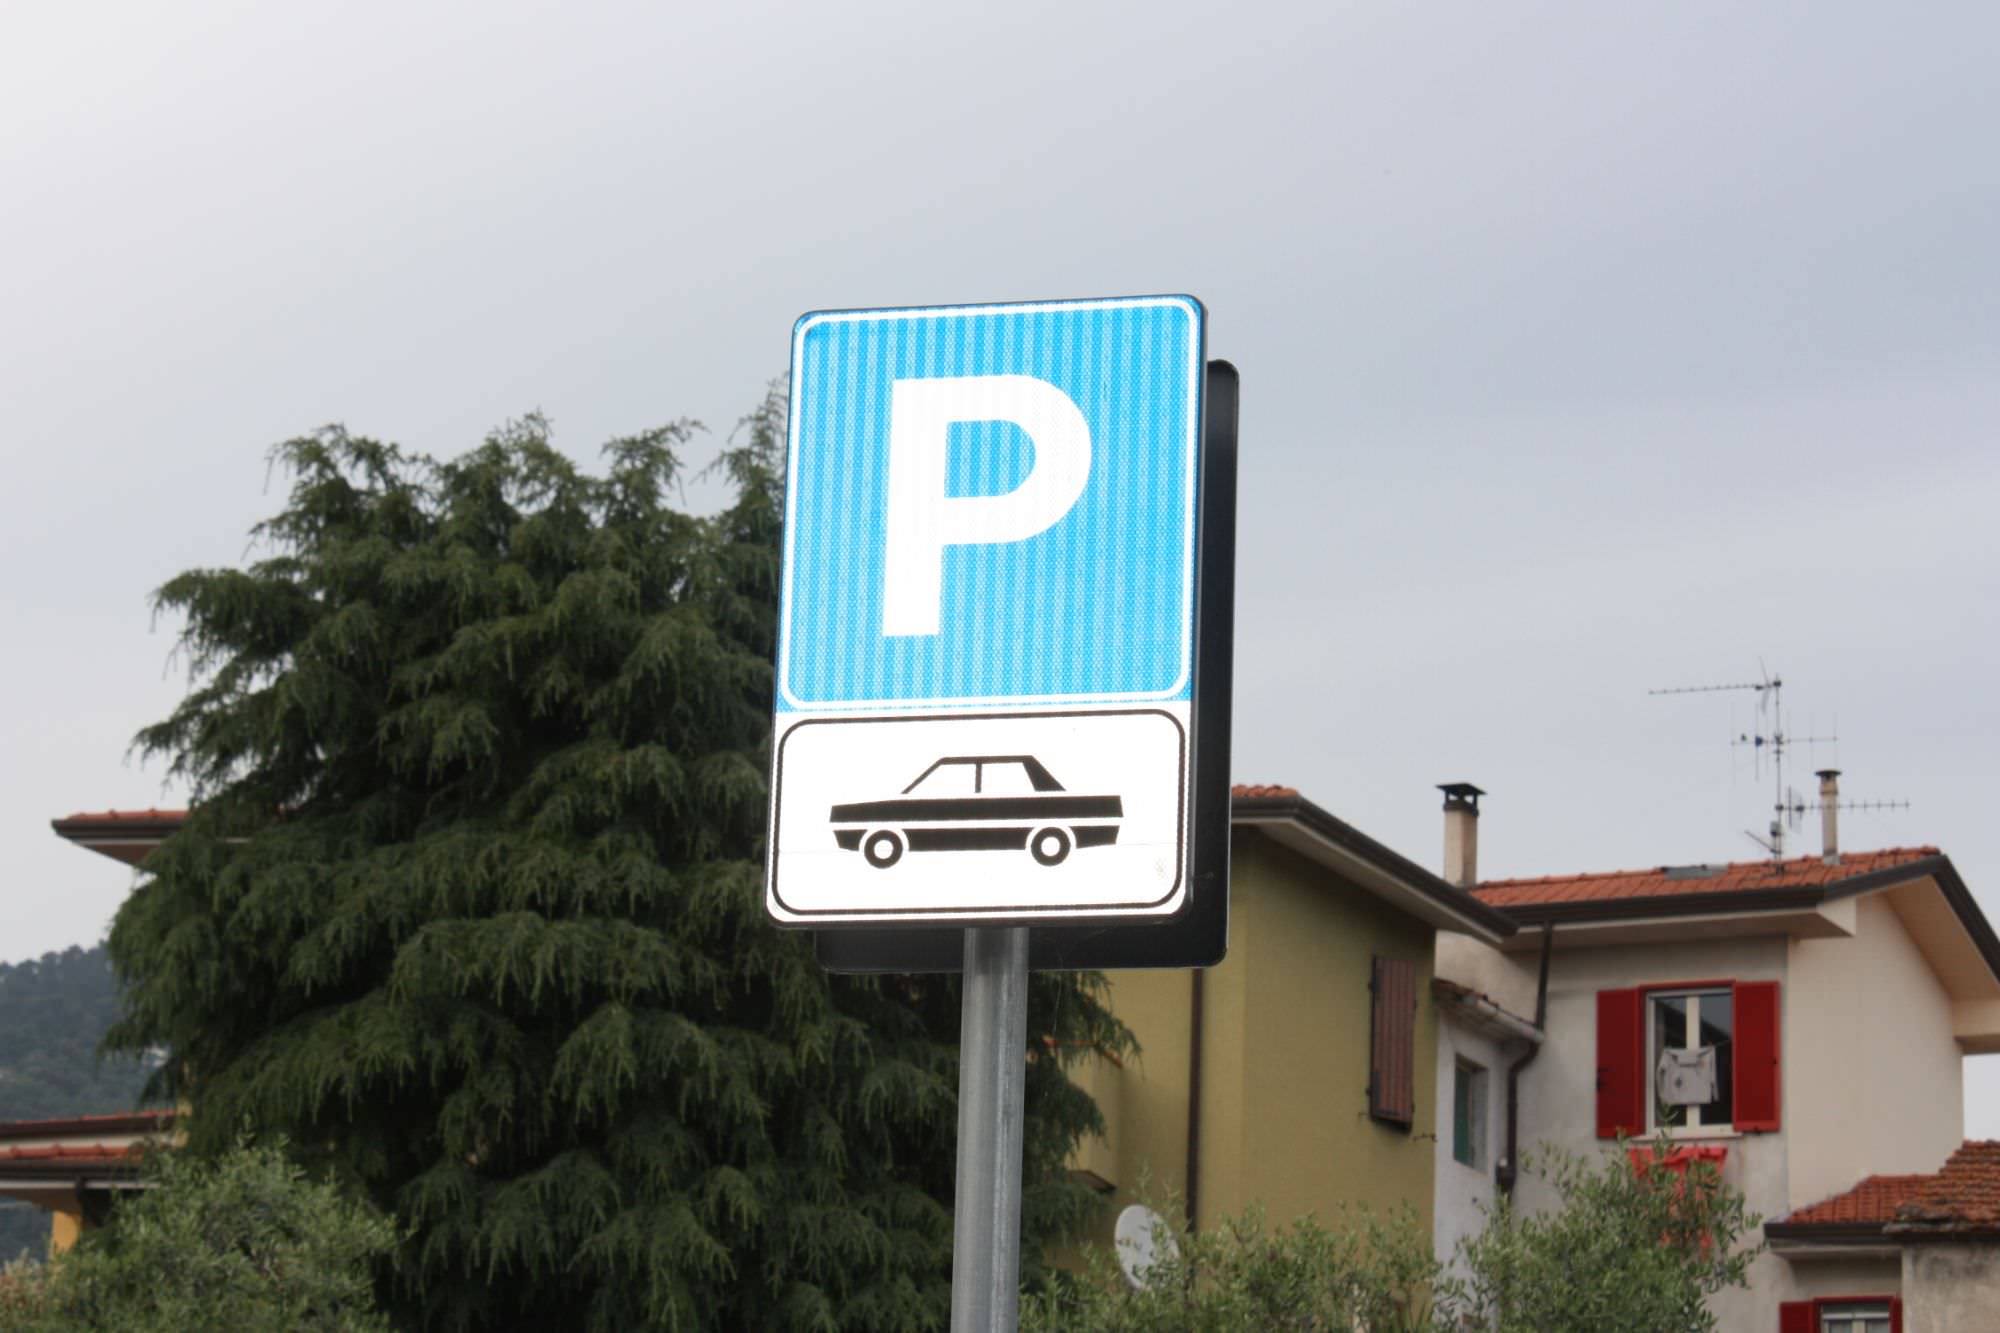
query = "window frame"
{"x": 1624, "y": 1090}
{"x": 1469, "y": 1081}
{"x": 1847, "y": 1310}
{"x": 1809, "y": 1316}
{"x": 1649, "y": 1055}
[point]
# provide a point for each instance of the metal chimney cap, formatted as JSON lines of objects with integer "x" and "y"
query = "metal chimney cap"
{"x": 1460, "y": 794}
{"x": 1827, "y": 773}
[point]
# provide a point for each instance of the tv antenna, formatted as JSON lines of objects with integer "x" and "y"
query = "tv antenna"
{"x": 1769, "y": 734}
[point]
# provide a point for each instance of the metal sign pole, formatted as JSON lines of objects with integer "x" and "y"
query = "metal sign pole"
{"x": 992, "y": 1082}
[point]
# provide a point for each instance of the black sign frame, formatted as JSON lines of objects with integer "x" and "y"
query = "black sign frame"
{"x": 1198, "y": 936}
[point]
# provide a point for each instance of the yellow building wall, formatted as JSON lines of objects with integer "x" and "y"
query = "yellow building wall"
{"x": 1284, "y": 1061}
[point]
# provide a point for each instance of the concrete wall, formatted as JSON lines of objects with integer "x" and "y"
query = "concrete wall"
{"x": 1872, "y": 1080}
{"x": 1508, "y": 979}
{"x": 1284, "y": 1061}
{"x": 1145, "y": 1103}
{"x": 1844, "y": 1275}
{"x": 1462, "y": 1189}
{"x": 1873, "y": 1074}
{"x": 1950, "y": 1288}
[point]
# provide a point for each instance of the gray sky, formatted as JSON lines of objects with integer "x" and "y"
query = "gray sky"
{"x": 1586, "y": 349}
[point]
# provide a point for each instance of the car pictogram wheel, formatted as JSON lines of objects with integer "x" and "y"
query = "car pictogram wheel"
{"x": 1049, "y": 845}
{"x": 883, "y": 848}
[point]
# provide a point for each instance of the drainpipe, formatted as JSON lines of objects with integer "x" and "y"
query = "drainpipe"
{"x": 1509, "y": 1168}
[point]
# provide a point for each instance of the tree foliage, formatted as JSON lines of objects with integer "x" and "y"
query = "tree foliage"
{"x": 1632, "y": 1244}
{"x": 1636, "y": 1243}
{"x": 469, "y": 902}
{"x": 245, "y": 1243}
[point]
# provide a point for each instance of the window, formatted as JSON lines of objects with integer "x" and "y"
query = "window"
{"x": 1468, "y": 1115}
{"x": 1842, "y": 1314}
{"x": 1392, "y": 1042}
{"x": 1871, "y": 1318}
{"x": 1692, "y": 1044}
{"x": 1659, "y": 1045}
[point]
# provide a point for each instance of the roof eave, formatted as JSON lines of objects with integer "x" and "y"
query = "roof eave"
{"x": 128, "y": 841}
{"x": 1851, "y": 1234}
{"x": 1593, "y": 911}
{"x": 1330, "y": 840}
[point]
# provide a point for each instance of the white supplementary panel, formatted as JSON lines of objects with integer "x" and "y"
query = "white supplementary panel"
{"x": 922, "y": 520}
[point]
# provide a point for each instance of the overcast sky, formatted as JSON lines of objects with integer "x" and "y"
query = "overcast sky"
{"x": 1586, "y": 349}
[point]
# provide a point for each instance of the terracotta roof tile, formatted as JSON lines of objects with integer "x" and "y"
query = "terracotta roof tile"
{"x": 1256, "y": 789}
{"x": 122, "y": 816}
{"x": 114, "y": 1122}
{"x": 102, "y": 1152}
{"x": 1964, "y": 1195}
{"x": 1799, "y": 872}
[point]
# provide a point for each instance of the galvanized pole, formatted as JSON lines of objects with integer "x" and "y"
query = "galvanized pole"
{"x": 992, "y": 1081}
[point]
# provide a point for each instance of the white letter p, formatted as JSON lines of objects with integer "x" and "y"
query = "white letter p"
{"x": 923, "y": 520}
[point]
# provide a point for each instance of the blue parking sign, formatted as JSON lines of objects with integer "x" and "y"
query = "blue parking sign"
{"x": 990, "y": 522}
{"x": 992, "y": 503}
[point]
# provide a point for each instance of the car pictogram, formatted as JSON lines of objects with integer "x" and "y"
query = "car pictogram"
{"x": 991, "y": 802}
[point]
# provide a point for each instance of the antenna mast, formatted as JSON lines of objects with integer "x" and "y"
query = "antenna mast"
{"x": 1787, "y": 806}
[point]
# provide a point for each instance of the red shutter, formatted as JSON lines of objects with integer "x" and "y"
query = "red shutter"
{"x": 1797, "y": 1317}
{"x": 1392, "y": 1045}
{"x": 1895, "y": 1314}
{"x": 1621, "y": 1053}
{"x": 1757, "y": 1081}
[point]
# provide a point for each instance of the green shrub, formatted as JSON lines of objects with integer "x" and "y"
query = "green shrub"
{"x": 1365, "y": 1272}
{"x": 245, "y": 1244}
{"x": 1631, "y": 1245}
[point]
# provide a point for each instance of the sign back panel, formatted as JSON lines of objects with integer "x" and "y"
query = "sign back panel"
{"x": 1199, "y": 935}
{"x": 986, "y": 656}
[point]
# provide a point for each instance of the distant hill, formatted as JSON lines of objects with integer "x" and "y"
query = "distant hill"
{"x": 53, "y": 1012}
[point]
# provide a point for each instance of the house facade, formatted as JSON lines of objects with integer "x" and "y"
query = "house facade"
{"x": 1384, "y": 1036}
{"x": 73, "y": 1168}
{"x": 1303, "y": 1071}
{"x": 1803, "y": 1021}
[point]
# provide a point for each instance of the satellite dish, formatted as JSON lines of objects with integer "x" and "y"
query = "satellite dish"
{"x": 1142, "y": 1239}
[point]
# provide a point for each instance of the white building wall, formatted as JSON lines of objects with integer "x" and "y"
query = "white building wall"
{"x": 1834, "y": 1273}
{"x": 1872, "y": 1080}
{"x": 1876, "y": 1084}
{"x": 1950, "y": 1288}
{"x": 1508, "y": 979}
{"x": 1461, "y": 1190}
{"x": 1558, "y": 1094}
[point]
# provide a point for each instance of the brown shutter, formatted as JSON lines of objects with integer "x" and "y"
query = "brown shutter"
{"x": 1797, "y": 1317}
{"x": 1392, "y": 1046}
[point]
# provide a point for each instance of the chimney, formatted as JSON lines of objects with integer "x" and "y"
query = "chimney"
{"x": 1829, "y": 816}
{"x": 1461, "y": 833}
